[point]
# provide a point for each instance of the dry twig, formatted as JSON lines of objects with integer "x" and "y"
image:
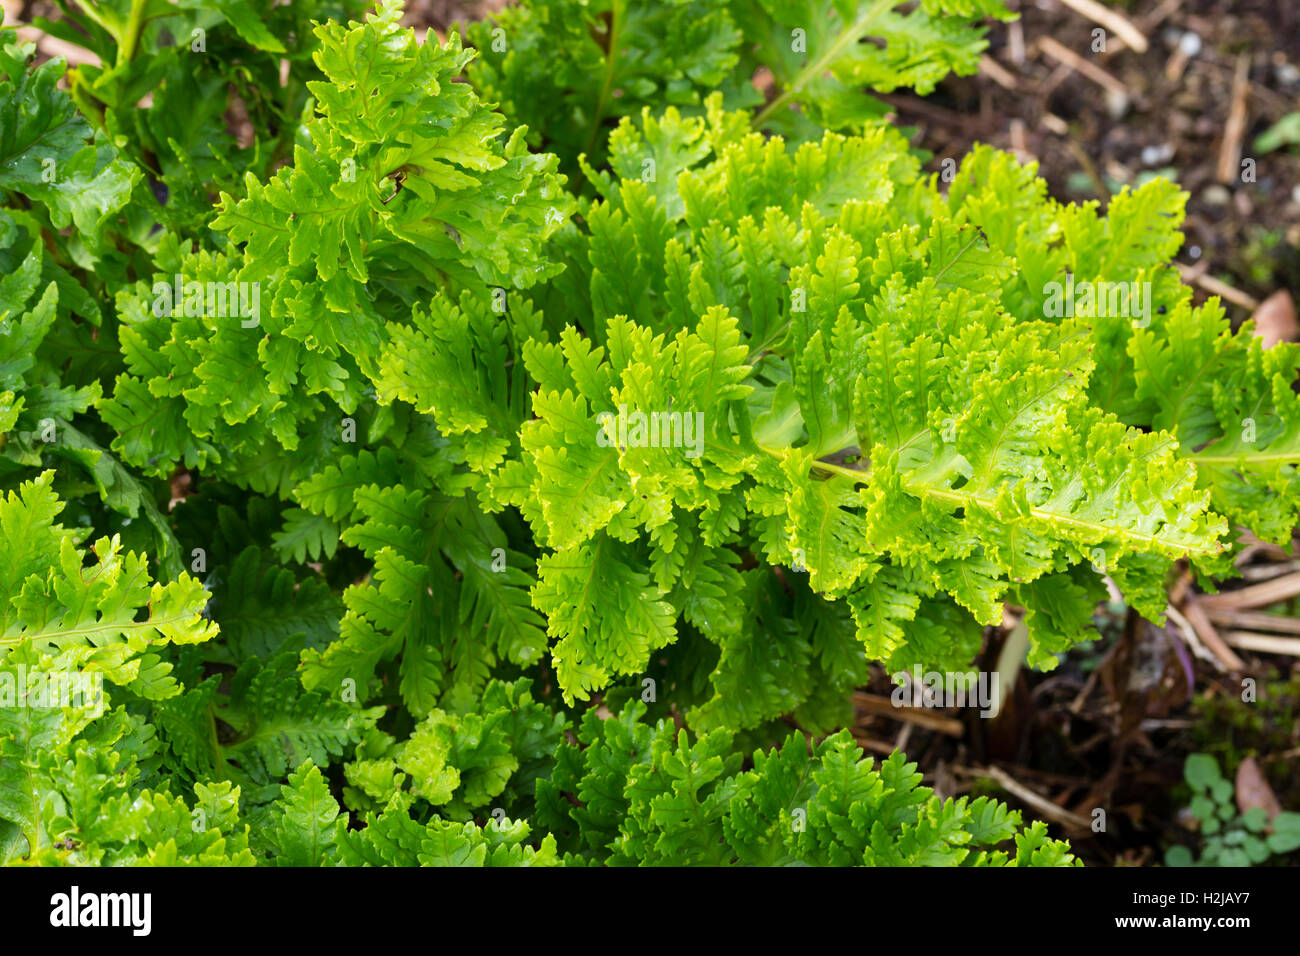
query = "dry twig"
{"x": 1257, "y": 595}
{"x": 884, "y": 707}
{"x": 1196, "y": 617}
{"x": 1213, "y": 286}
{"x": 1253, "y": 620}
{"x": 1040, "y": 804}
{"x": 1265, "y": 643}
{"x": 1235, "y": 129}
{"x": 999, "y": 74}
{"x": 1112, "y": 20}
{"x": 1092, "y": 71}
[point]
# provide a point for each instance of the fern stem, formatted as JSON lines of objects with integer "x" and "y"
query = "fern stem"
{"x": 965, "y": 498}
{"x": 110, "y": 629}
{"x": 606, "y": 88}
{"x": 131, "y": 35}
{"x": 1011, "y": 659}
{"x": 851, "y": 34}
{"x": 1277, "y": 456}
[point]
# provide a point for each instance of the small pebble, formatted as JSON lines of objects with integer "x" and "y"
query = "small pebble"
{"x": 1190, "y": 43}
{"x": 1216, "y": 195}
{"x": 1194, "y": 252}
{"x": 1155, "y": 155}
{"x": 1287, "y": 74}
{"x": 1116, "y": 104}
{"x": 1295, "y": 194}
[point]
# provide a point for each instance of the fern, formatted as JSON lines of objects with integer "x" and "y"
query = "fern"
{"x": 62, "y": 612}
{"x": 435, "y": 598}
{"x": 924, "y": 445}
{"x": 425, "y": 498}
{"x": 567, "y": 67}
{"x": 405, "y": 188}
{"x": 91, "y": 618}
{"x": 64, "y": 187}
{"x": 633, "y": 794}
{"x": 467, "y": 763}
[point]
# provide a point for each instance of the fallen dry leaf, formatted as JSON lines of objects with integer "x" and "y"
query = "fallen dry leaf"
{"x": 1275, "y": 319}
{"x": 1253, "y": 790}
